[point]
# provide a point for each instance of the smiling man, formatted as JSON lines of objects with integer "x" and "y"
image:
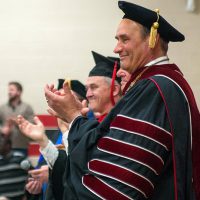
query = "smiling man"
{"x": 102, "y": 93}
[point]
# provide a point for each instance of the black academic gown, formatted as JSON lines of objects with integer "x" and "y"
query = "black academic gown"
{"x": 142, "y": 149}
{"x": 58, "y": 174}
{"x": 56, "y": 177}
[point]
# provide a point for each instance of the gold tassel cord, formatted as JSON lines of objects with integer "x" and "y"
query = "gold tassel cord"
{"x": 68, "y": 81}
{"x": 153, "y": 31}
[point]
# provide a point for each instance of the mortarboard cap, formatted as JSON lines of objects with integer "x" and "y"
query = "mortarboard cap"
{"x": 74, "y": 85}
{"x": 108, "y": 67}
{"x": 147, "y": 17}
{"x": 60, "y": 84}
{"x": 115, "y": 59}
{"x": 104, "y": 66}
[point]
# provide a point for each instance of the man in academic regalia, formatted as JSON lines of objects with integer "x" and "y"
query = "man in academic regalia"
{"x": 148, "y": 145}
{"x": 103, "y": 91}
{"x": 102, "y": 85}
{"x": 102, "y": 94}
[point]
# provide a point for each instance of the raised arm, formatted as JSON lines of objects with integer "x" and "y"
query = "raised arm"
{"x": 35, "y": 131}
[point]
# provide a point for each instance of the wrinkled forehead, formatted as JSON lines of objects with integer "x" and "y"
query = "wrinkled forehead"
{"x": 95, "y": 80}
{"x": 127, "y": 27}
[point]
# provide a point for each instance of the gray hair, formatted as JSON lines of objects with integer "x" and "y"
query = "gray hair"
{"x": 109, "y": 80}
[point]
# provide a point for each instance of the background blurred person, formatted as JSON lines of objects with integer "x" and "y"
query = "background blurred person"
{"x": 12, "y": 176}
{"x": 9, "y": 111}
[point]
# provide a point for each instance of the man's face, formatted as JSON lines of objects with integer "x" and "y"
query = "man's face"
{"x": 13, "y": 92}
{"x": 132, "y": 47}
{"x": 125, "y": 77}
{"x": 98, "y": 94}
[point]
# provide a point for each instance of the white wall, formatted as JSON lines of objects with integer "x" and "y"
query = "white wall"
{"x": 43, "y": 40}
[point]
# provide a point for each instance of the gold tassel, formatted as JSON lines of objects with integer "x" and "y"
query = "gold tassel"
{"x": 68, "y": 81}
{"x": 153, "y": 32}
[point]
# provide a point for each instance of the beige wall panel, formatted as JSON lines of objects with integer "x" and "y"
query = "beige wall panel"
{"x": 43, "y": 40}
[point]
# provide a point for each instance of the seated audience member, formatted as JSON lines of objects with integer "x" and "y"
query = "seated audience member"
{"x": 12, "y": 176}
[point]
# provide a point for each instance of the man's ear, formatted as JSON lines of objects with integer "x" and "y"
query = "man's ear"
{"x": 157, "y": 39}
{"x": 117, "y": 90}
